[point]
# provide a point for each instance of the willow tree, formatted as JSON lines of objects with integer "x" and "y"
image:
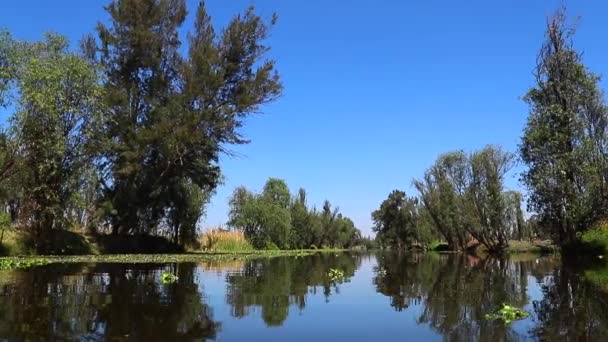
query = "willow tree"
{"x": 442, "y": 192}
{"x": 565, "y": 141}
{"x": 490, "y": 223}
{"x": 171, "y": 115}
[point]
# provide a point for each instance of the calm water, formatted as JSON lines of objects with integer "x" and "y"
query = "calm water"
{"x": 386, "y": 297}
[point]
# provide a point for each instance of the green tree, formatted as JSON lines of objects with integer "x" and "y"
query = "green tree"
{"x": 565, "y": 141}
{"x": 261, "y": 217}
{"x": 489, "y": 224}
{"x": 442, "y": 193}
{"x": 55, "y": 111}
{"x": 170, "y": 116}
{"x": 301, "y": 221}
{"x": 396, "y": 221}
{"x": 273, "y": 218}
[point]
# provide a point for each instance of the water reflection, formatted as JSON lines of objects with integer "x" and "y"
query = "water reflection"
{"x": 387, "y": 297}
{"x": 273, "y": 285}
{"x": 104, "y": 302}
{"x": 574, "y": 304}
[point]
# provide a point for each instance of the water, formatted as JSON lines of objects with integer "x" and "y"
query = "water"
{"x": 385, "y": 297}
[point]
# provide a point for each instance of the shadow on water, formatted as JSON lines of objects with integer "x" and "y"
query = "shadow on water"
{"x": 103, "y": 302}
{"x": 457, "y": 291}
{"x": 448, "y": 297}
{"x": 273, "y": 285}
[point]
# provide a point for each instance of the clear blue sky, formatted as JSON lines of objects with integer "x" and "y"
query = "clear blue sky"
{"x": 374, "y": 90}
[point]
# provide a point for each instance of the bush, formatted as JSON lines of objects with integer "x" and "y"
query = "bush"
{"x": 596, "y": 240}
{"x": 271, "y": 246}
{"x": 220, "y": 240}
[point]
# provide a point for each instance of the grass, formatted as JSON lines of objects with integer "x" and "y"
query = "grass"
{"x": 595, "y": 240}
{"x": 523, "y": 246}
{"x": 219, "y": 240}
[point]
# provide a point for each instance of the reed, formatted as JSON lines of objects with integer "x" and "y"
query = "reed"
{"x": 221, "y": 240}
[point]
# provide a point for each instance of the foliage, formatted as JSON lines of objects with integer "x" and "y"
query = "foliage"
{"x": 508, "y": 314}
{"x": 596, "y": 239}
{"x": 54, "y": 112}
{"x": 21, "y": 263}
{"x": 219, "y": 240}
{"x": 464, "y": 197}
{"x": 273, "y": 219}
{"x": 168, "y": 278}
{"x": 170, "y": 116}
{"x": 335, "y": 275}
{"x": 398, "y": 221}
{"x": 565, "y": 141}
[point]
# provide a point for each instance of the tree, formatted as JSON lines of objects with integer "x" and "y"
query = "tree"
{"x": 397, "y": 220}
{"x": 565, "y": 141}
{"x": 169, "y": 117}
{"x": 264, "y": 221}
{"x": 442, "y": 193}
{"x": 273, "y": 218}
{"x": 486, "y": 192}
{"x": 464, "y": 198}
{"x": 301, "y": 221}
{"x": 58, "y": 103}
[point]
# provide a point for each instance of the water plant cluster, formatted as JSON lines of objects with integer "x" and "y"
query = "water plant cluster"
{"x": 335, "y": 274}
{"x": 168, "y": 278}
{"x": 508, "y": 314}
{"x": 21, "y": 263}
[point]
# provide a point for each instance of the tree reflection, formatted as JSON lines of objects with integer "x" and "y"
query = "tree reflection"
{"x": 454, "y": 291}
{"x": 273, "y": 285}
{"x": 574, "y": 304}
{"x": 104, "y": 302}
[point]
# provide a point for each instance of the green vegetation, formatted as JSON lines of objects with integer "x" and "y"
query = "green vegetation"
{"x": 595, "y": 240}
{"x": 274, "y": 219}
{"x": 461, "y": 199}
{"x": 21, "y": 263}
{"x": 29, "y": 261}
{"x": 124, "y": 137}
{"x": 168, "y": 278}
{"x": 508, "y": 314}
{"x": 565, "y": 142}
{"x": 218, "y": 240}
{"x": 335, "y": 275}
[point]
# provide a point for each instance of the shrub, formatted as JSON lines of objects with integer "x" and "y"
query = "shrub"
{"x": 221, "y": 240}
{"x": 596, "y": 239}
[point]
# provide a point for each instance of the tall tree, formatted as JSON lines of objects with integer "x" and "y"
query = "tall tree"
{"x": 442, "y": 193}
{"x": 486, "y": 193}
{"x": 170, "y": 116}
{"x": 565, "y": 142}
{"x": 57, "y": 105}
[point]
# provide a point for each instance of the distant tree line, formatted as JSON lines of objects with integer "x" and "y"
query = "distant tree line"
{"x": 564, "y": 146}
{"x": 276, "y": 219}
{"x": 124, "y": 136}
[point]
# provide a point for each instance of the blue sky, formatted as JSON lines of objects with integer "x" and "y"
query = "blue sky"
{"x": 374, "y": 90}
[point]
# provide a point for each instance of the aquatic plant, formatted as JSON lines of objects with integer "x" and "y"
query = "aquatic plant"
{"x": 507, "y": 314}
{"x": 168, "y": 278}
{"x": 335, "y": 275}
{"x": 21, "y": 263}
